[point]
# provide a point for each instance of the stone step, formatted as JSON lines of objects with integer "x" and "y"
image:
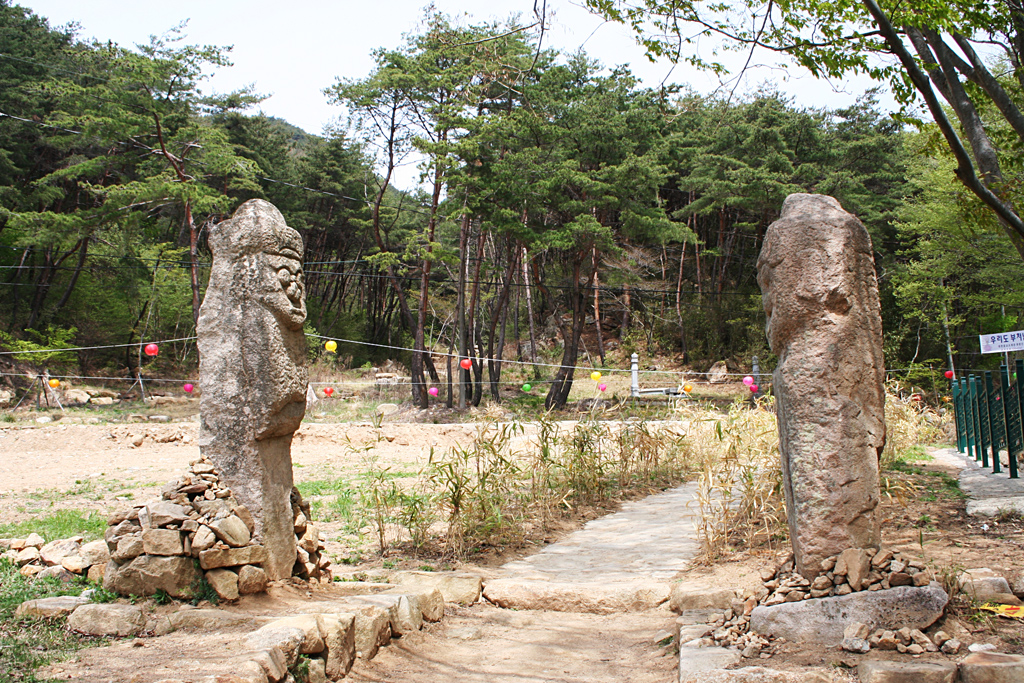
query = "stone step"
{"x": 331, "y": 633}
{"x": 561, "y": 596}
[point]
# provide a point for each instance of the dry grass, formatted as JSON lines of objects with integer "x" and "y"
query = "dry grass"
{"x": 740, "y": 495}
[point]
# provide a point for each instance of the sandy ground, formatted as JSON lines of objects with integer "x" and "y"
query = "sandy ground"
{"x": 92, "y": 467}
{"x": 100, "y": 467}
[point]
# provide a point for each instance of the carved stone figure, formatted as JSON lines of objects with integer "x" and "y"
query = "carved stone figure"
{"x": 820, "y": 296}
{"x": 252, "y": 369}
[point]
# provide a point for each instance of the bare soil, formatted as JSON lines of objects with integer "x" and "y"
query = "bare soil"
{"x": 101, "y": 467}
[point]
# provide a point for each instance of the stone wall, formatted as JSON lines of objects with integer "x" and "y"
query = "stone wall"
{"x": 199, "y": 530}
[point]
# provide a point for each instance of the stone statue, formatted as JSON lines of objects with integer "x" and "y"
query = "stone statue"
{"x": 252, "y": 369}
{"x": 817, "y": 278}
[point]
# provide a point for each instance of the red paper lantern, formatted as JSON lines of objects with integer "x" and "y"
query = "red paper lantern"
{"x": 151, "y": 349}
{"x": 328, "y": 391}
{"x": 466, "y": 363}
{"x": 753, "y": 388}
{"x": 949, "y": 374}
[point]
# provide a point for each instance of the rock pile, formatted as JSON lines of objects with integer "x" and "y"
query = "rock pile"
{"x": 62, "y": 559}
{"x": 855, "y": 569}
{"x": 851, "y": 571}
{"x": 859, "y": 638}
{"x": 153, "y": 546}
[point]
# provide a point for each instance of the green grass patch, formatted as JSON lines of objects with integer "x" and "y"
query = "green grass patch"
{"x": 26, "y": 644}
{"x": 60, "y": 524}
{"x": 330, "y": 499}
{"x": 913, "y": 454}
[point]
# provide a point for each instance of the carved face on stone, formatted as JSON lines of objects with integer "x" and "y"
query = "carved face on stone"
{"x": 284, "y": 289}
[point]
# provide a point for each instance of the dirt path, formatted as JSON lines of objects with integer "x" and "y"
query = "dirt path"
{"x": 485, "y": 644}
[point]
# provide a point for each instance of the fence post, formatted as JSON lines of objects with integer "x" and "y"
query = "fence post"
{"x": 979, "y": 439}
{"x": 755, "y": 370}
{"x": 634, "y": 369}
{"x": 995, "y": 416}
{"x": 965, "y": 398}
{"x": 1011, "y": 415}
{"x": 984, "y": 425}
{"x": 958, "y": 415}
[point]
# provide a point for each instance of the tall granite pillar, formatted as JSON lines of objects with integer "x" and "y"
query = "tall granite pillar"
{"x": 820, "y": 296}
{"x": 252, "y": 369}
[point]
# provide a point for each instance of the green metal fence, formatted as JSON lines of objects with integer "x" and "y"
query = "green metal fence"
{"x": 988, "y": 417}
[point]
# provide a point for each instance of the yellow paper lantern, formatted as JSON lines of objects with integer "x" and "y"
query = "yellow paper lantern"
{"x": 596, "y": 376}
{"x": 331, "y": 346}
{"x": 687, "y": 388}
{"x": 54, "y": 383}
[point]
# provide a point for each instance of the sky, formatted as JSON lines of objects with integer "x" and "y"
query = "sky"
{"x": 291, "y": 51}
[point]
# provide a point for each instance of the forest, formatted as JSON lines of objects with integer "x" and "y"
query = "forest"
{"x": 559, "y": 201}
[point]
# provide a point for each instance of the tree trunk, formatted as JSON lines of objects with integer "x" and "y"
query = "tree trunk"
{"x": 562, "y": 384}
{"x": 461, "y": 306}
{"x": 529, "y": 315}
{"x": 597, "y": 310}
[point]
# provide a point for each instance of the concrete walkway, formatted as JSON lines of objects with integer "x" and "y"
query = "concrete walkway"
{"x": 623, "y": 562}
{"x": 988, "y": 492}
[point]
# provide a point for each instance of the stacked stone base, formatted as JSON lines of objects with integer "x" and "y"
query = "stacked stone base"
{"x": 198, "y": 530}
{"x": 852, "y": 570}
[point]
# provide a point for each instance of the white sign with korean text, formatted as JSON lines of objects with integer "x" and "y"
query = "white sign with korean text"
{"x": 1001, "y": 342}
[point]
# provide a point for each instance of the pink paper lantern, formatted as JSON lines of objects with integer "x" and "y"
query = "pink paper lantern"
{"x": 188, "y": 388}
{"x": 748, "y": 380}
{"x": 432, "y": 391}
{"x": 602, "y": 386}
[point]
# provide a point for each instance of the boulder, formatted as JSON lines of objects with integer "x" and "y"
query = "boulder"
{"x": 718, "y": 373}
{"x": 26, "y": 555}
{"x": 689, "y": 596}
{"x": 55, "y": 572}
{"x": 50, "y": 607}
{"x": 55, "y": 551}
{"x": 823, "y": 620}
{"x": 207, "y": 619}
{"x": 312, "y": 626}
{"x": 232, "y": 557}
{"x": 204, "y": 539}
{"x": 127, "y": 549}
{"x": 339, "y": 643}
{"x": 75, "y": 563}
{"x": 231, "y": 530}
{"x": 148, "y": 573}
{"x": 273, "y": 663}
{"x": 94, "y": 552}
{"x": 992, "y": 667}
{"x": 881, "y": 671}
{"x": 164, "y": 513}
{"x": 76, "y": 397}
{"x": 251, "y": 580}
{"x": 820, "y": 295}
{"x": 161, "y": 542}
{"x": 854, "y": 564}
{"x": 984, "y": 585}
{"x": 107, "y": 620}
{"x": 225, "y": 582}
{"x": 372, "y": 629}
{"x": 284, "y": 639}
{"x": 34, "y": 540}
{"x": 428, "y": 601}
{"x": 460, "y": 587}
